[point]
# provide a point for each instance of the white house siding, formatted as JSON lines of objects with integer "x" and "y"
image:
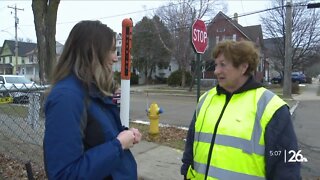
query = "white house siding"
{"x": 173, "y": 66}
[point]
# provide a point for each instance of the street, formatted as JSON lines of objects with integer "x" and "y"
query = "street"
{"x": 177, "y": 110}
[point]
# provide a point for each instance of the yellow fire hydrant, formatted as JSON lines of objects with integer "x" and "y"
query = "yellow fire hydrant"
{"x": 153, "y": 114}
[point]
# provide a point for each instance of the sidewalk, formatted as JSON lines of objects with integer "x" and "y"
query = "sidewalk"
{"x": 157, "y": 162}
{"x": 310, "y": 94}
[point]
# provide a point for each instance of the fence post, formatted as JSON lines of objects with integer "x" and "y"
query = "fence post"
{"x": 33, "y": 110}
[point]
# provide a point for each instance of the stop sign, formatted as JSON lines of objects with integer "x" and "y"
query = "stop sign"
{"x": 199, "y": 36}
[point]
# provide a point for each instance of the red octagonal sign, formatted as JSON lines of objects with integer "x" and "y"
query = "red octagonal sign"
{"x": 199, "y": 36}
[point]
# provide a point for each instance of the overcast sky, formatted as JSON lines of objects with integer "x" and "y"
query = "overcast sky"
{"x": 109, "y": 12}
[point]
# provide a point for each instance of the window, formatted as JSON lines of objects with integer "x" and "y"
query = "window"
{"x": 10, "y": 59}
{"x": 217, "y": 39}
{"x": 118, "y": 51}
{"x": 31, "y": 58}
{"x": 221, "y": 30}
{"x": 17, "y": 80}
{"x": 228, "y": 38}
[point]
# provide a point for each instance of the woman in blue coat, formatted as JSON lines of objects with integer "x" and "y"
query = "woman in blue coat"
{"x": 84, "y": 138}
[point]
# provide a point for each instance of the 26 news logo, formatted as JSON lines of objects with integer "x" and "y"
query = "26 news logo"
{"x": 290, "y": 156}
{"x": 294, "y": 156}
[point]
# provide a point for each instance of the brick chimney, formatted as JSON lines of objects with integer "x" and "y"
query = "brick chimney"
{"x": 235, "y": 17}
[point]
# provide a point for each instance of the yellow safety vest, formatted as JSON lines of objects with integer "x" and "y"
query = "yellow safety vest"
{"x": 239, "y": 146}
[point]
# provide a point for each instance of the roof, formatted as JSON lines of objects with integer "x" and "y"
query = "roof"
{"x": 59, "y": 49}
{"x": 232, "y": 22}
{"x": 23, "y": 47}
{"x": 253, "y": 33}
{"x": 270, "y": 43}
{"x": 272, "y": 46}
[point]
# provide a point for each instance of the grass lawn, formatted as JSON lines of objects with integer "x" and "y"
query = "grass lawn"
{"x": 14, "y": 110}
{"x": 168, "y": 136}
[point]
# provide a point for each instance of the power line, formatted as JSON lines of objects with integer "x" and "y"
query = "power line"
{"x": 112, "y": 16}
{"x": 207, "y": 22}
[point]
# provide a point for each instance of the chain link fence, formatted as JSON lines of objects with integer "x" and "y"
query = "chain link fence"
{"x": 22, "y": 123}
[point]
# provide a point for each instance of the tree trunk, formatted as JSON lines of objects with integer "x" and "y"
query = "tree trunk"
{"x": 193, "y": 75}
{"x": 183, "y": 77}
{"x": 45, "y": 17}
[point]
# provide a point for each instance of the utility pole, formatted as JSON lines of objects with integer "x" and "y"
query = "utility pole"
{"x": 287, "y": 89}
{"x": 16, "y": 21}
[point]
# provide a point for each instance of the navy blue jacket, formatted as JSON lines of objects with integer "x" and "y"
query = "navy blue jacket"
{"x": 80, "y": 136}
{"x": 279, "y": 136}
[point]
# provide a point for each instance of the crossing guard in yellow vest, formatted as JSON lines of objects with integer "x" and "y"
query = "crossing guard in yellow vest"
{"x": 240, "y": 130}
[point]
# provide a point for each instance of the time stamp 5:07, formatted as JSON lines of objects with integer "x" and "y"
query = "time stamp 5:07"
{"x": 289, "y": 156}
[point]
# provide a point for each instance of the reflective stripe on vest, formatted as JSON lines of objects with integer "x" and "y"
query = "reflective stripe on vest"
{"x": 224, "y": 174}
{"x": 200, "y": 103}
{"x": 245, "y": 145}
{"x": 228, "y": 141}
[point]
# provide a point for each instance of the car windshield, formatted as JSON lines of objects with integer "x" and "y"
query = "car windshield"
{"x": 18, "y": 80}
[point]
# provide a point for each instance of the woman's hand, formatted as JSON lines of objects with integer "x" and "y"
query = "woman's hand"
{"x": 137, "y": 135}
{"x": 126, "y": 138}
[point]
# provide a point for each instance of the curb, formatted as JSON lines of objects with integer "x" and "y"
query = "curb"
{"x": 160, "y": 124}
{"x": 166, "y": 93}
{"x": 294, "y": 108}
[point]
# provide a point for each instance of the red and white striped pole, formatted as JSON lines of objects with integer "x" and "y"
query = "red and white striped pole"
{"x": 127, "y": 25}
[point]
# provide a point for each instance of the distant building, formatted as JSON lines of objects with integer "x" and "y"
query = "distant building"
{"x": 32, "y": 66}
{"x": 273, "y": 56}
{"x": 117, "y": 66}
{"x": 223, "y": 28}
{"x": 8, "y": 59}
{"x": 27, "y": 61}
{"x": 158, "y": 72}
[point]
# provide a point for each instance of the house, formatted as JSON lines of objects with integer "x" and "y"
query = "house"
{"x": 27, "y": 61}
{"x": 8, "y": 59}
{"x": 273, "y": 56}
{"x": 157, "y": 72}
{"x": 31, "y": 66}
{"x": 223, "y": 28}
{"x": 117, "y": 66}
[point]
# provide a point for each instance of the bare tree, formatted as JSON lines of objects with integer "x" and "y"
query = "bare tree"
{"x": 305, "y": 33}
{"x": 179, "y": 16}
{"x": 45, "y": 18}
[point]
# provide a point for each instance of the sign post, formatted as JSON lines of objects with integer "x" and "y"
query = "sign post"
{"x": 199, "y": 41}
{"x": 127, "y": 25}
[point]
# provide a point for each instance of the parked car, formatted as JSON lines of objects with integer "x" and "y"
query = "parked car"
{"x": 295, "y": 77}
{"x": 18, "y": 83}
{"x": 276, "y": 80}
{"x": 298, "y": 77}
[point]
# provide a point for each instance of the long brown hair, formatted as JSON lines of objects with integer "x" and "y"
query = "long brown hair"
{"x": 85, "y": 54}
